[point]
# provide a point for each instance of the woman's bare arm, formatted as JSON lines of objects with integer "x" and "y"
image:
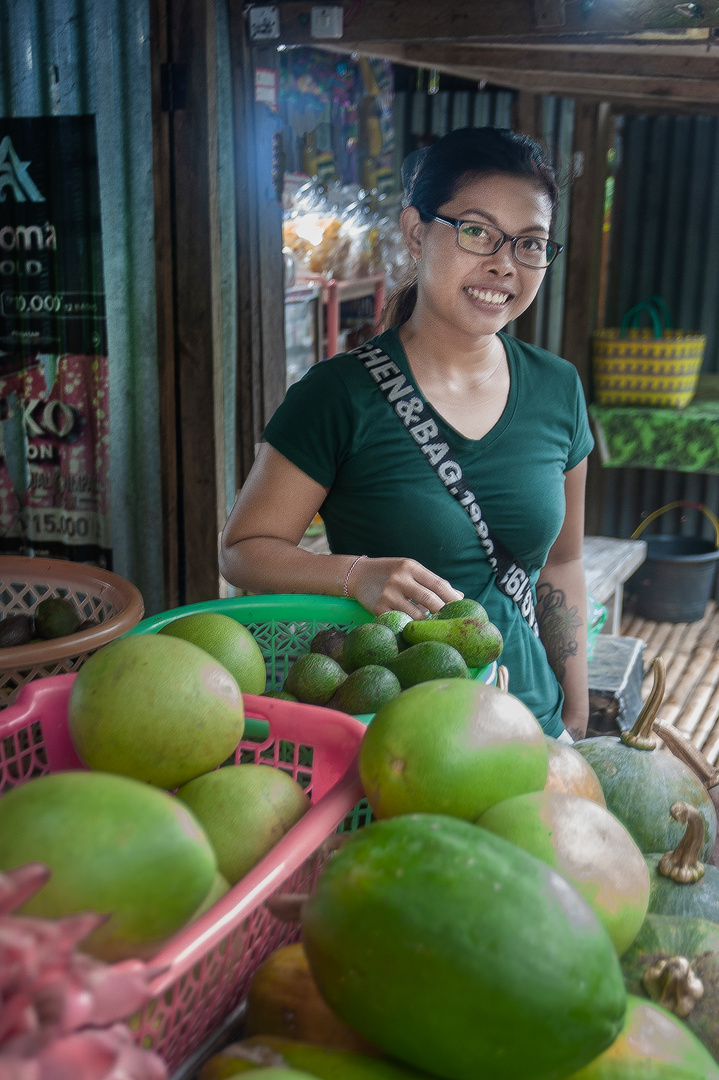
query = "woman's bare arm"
{"x": 259, "y": 551}
{"x": 562, "y": 607}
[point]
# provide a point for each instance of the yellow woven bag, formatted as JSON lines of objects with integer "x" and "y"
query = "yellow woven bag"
{"x": 654, "y": 366}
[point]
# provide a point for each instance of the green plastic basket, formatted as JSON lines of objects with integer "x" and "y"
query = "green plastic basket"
{"x": 283, "y": 625}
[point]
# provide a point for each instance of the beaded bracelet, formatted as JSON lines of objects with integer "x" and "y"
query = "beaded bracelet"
{"x": 358, "y": 559}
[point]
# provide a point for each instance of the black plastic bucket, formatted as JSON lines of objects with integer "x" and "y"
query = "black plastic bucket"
{"x": 676, "y": 581}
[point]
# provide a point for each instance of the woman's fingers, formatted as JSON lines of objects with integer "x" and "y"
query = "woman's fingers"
{"x": 401, "y": 585}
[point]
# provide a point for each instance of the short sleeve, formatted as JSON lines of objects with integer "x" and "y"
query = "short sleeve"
{"x": 583, "y": 441}
{"x": 313, "y": 426}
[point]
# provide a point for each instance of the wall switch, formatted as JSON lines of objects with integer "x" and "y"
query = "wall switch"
{"x": 263, "y": 21}
{"x": 326, "y": 22}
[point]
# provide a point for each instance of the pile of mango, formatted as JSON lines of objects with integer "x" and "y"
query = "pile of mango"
{"x": 361, "y": 670}
{"x": 475, "y": 929}
{"x": 153, "y": 831}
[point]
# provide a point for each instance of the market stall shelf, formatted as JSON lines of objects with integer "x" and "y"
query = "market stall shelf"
{"x": 681, "y": 440}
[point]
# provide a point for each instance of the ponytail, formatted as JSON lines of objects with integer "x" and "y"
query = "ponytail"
{"x": 400, "y": 302}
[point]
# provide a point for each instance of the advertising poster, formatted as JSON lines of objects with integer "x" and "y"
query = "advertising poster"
{"x": 54, "y": 393}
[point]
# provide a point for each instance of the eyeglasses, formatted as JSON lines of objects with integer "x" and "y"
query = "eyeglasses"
{"x": 483, "y": 239}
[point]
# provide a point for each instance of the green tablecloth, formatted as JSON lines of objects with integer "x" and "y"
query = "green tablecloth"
{"x": 682, "y": 440}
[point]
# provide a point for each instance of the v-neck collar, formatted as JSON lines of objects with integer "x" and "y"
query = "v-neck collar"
{"x": 400, "y": 357}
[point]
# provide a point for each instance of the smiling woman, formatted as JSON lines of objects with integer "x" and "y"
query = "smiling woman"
{"x": 443, "y": 389}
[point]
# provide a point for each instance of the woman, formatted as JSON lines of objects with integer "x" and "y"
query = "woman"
{"x": 478, "y": 223}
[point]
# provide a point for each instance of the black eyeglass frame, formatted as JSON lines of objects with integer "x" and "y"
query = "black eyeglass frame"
{"x": 456, "y": 224}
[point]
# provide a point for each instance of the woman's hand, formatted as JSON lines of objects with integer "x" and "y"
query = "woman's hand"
{"x": 392, "y": 584}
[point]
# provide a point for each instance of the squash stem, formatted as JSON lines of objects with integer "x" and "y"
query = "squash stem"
{"x": 641, "y": 736}
{"x": 682, "y": 865}
{"x": 687, "y": 752}
{"x": 671, "y": 982}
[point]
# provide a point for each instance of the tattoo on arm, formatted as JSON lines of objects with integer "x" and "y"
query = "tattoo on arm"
{"x": 558, "y": 626}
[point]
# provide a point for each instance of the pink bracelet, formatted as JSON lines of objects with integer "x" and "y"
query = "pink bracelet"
{"x": 358, "y": 559}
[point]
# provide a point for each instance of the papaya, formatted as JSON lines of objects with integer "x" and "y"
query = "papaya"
{"x": 318, "y": 1061}
{"x": 283, "y": 999}
{"x": 652, "y": 1045}
{"x": 455, "y": 951}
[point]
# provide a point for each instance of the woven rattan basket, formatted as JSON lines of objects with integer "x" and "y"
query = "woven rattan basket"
{"x": 657, "y": 367}
{"x": 112, "y": 602}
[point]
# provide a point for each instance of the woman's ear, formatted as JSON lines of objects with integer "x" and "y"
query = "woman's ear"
{"x": 412, "y": 228}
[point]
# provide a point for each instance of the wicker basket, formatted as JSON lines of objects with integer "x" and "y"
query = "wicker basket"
{"x": 657, "y": 367}
{"x": 113, "y": 602}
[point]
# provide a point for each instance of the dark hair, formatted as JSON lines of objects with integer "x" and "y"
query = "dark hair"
{"x": 432, "y": 176}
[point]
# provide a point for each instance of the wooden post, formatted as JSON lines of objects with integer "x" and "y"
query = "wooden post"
{"x": 164, "y": 288}
{"x": 592, "y": 133}
{"x": 261, "y": 346}
{"x": 528, "y": 121}
{"x": 187, "y": 274}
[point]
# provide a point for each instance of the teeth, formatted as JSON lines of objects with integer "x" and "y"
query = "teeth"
{"x": 487, "y": 296}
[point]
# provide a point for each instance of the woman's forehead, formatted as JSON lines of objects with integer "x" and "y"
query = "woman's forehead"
{"x": 503, "y": 194}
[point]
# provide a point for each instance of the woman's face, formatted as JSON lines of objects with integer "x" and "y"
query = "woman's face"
{"x": 478, "y": 294}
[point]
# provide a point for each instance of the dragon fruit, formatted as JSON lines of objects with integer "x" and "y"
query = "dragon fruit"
{"x": 59, "y": 1008}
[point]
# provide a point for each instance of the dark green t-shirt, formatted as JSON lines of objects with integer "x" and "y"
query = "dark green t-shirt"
{"x": 385, "y": 499}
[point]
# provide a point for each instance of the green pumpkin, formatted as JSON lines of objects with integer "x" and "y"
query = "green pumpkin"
{"x": 453, "y": 950}
{"x": 640, "y": 783}
{"x": 679, "y": 883}
{"x": 675, "y": 962}
{"x": 652, "y": 1045}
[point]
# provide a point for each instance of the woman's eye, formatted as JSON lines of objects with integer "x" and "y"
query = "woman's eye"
{"x": 475, "y": 231}
{"x": 532, "y": 245}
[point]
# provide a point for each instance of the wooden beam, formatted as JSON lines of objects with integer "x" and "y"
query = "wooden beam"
{"x": 617, "y": 62}
{"x": 406, "y": 20}
{"x": 620, "y": 88}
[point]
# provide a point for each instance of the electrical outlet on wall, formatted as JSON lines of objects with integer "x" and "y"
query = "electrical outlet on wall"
{"x": 326, "y": 22}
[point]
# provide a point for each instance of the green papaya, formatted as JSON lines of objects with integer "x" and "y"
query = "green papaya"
{"x": 457, "y": 952}
{"x": 425, "y": 661}
{"x": 478, "y": 642}
{"x": 275, "y": 1051}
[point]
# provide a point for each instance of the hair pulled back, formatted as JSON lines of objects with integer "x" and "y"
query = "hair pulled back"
{"x": 433, "y": 176}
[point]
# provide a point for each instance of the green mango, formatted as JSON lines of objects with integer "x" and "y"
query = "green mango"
{"x": 461, "y": 609}
{"x": 427, "y": 660}
{"x": 370, "y": 643}
{"x": 477, "y": 642}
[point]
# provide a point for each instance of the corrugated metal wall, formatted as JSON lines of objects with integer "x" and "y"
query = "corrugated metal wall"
{"x": 664, "y": 241}
{"x": 70, "y": 57}
{"x": 420, "y": 115}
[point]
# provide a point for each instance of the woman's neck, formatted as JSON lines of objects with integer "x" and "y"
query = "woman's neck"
{"x": 467, "y": 383}
{"x": 450, "y": 358}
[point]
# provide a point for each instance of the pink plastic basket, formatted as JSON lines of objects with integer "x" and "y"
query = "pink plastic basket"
{"x": 208, "y": 965}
